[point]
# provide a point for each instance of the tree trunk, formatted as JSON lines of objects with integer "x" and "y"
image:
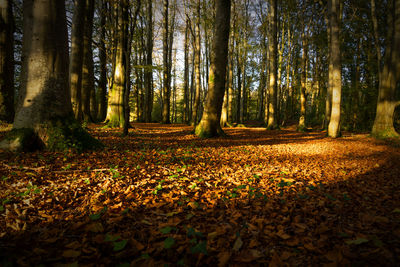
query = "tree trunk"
{"x": 166, "y": 79}
{"x": 148, "y": 75}
{"x": 272, "y": 114}
{"x": 197, "y": 53}
{"x": 76, "y": 59}
{"x": 115, "y": 112}
{"x": 87, "y": 68}
{"x": 302, "y": 121}
{"x": 102, "y": 90}
{"x": 334, "y": 124}
{"x": 328, "y": 102}
{"x": 209, "y": 125}
{"x": 6, "y": 61}
{"x": 44, "y": 117}
{"x": 186, "y": 75}
{"x": 383, "y": 124}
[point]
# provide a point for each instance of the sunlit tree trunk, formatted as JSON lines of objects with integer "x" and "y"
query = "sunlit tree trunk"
{"x": 328, "y": 102}
{"x": 383, "y": 123}
{"x": 209, "y": 125}
{"x": 44, "y": 116}
{"x": 115, "y": 111}
{"x": 336, "y": 74}
{"x": 197, "y": 54}
{"x": 102, "y": 90}
{"x": 272, "y": 114}
{"x": 148, "y": 75}
{"x": 302, "y": 121}
{"x": 6, "y": 61}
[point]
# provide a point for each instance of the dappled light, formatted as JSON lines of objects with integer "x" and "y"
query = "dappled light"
{"x": 162, "y": 196}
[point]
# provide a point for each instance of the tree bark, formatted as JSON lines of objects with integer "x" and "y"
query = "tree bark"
{"x": 166, "y": 78}
{"x": 336, "y": 81}
{"x": 302, "y": 120}
{"x": 197, "y": 53}
{"x": 148, "y": 75}
{"x": 209, "y": 125}
{"x": 272, "y": 114}
{"x": 6, "y": 61}
{"x": 102, "y": 90}
{"x": 44, "y": 117}
{"x": 115, "y": 112}
{"x": 87, "y": 68}
{"x": 383, "y": 124}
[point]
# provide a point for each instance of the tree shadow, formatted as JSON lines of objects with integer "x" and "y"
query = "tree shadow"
{"x": 341, "y": 209}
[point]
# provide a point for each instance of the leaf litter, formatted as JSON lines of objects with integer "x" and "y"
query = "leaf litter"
{"x": 162, "y": 196}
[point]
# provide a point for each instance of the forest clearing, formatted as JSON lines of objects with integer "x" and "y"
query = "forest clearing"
{"x": 163, "y": 197}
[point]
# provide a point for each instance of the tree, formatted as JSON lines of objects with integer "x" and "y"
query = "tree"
{"x": 6, "y": 61}
{"x": 102, "y": 90}
{"x": 209, "y": 125}
{"x": 148, "y": 75}
{"x": 383, "y": 123}
{"x": 44, "y": 117}
{"x": 272, "y": 122}
{"x": 166, "y": 72}
{"x": 88, "y": 90}
{"x": 197, "y": 53}
{"x": 335, "y": 70}
{"x": 76, "y": 58}
{"x": 115, "y": 112}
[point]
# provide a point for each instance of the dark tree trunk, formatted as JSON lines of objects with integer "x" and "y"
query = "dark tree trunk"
{"x": 209, "y": 125}
{"x": 6, "y": 62}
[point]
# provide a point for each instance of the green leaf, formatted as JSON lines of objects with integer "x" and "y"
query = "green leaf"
{"x": 397, "y": 210}
{"x": 120, "y": 245}
{"x": 201, "y": 247}
{"x": 357, "y": 241}
{"x": 111, "y": 238}
{"x": 169, "y": 242}
{"x": 1, "y": 208}
{"x": 166, "y": 230}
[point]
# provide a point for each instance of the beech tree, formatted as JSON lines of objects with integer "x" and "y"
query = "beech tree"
{"x": 335, "y": 71}
{"x": 209, "y": 125}
{"x": 44, "y": 117}
{"x": 272, "y": 122}
{"x": 390, "y": 76}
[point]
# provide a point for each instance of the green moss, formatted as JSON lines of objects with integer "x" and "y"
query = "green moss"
{"x": 302, "y": 128}
{"x": 386, "y": 134}
{"x": 201, "y": 132}
{"x": 63, "y": 134}
{"x": 273, "y": 127}
{"x": 22, "y": 139}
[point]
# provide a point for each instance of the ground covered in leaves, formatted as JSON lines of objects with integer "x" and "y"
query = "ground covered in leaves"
{"x": 162, "y": 197}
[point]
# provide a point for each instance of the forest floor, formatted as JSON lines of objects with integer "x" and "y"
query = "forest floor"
{"x": 162, "y": 197}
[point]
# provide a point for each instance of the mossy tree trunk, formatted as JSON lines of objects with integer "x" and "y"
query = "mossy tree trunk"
{"x": 383, "y": 124}
{"x": 335, "y": 75}
{"x": 115, "y": 111}
{"x": 6, "y": 61}
{"x": 209, "y": 125}
{"x": 44, "y": 117}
